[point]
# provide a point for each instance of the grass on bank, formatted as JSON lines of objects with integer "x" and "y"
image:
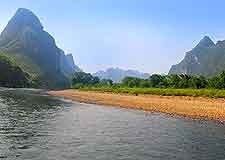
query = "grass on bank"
{"x": 212, "y": 93}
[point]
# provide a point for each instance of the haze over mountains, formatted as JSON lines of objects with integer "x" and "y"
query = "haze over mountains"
{"x": 34, "y": 50}
{"x": 206, "y": 59}
{"x": 117, "y": 74}
{"x": 29, "y": 54}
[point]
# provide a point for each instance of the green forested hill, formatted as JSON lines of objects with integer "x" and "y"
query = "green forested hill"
{"x": 206, "y": 59}
{"x": 35, "y": 51}
{"x": 12, "y": 75}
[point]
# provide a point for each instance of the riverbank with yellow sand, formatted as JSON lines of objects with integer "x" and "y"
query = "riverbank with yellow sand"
{"x": 193, "y": 107}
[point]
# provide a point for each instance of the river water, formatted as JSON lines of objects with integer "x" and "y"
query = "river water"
{"x": 34, "y": 126}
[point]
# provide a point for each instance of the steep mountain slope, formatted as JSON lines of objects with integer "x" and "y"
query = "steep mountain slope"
{"x": 12, "y": 75}
{"x": 117, "y": 74}
{"x": 67, "y": 64}
{"x": 35, "y": 50}
{"x": 69, "y": 58}
{"x": 206, "y": 59}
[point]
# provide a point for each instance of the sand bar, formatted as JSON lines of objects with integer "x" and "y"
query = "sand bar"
{"x": 194, "y": 107}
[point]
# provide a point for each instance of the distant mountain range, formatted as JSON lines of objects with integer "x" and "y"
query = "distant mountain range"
{"x": 34, "y": 50}
{"x": 206, "y": 59}
{"x": 117, "y": 74}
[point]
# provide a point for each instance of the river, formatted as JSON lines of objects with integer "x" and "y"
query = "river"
{"x": 34, "y": 126}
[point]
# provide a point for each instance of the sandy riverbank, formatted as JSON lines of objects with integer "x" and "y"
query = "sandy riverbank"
{"x": 194, "y": 107}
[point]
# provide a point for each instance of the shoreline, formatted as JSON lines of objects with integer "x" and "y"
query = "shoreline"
{"x": 192, "y": 107}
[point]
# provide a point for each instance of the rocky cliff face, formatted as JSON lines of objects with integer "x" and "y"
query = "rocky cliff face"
{"x": 34, "y": 49}
{"x": 206, "y": 59}
{"x": 70, "y": 60}
{"x": 67, "y": 64}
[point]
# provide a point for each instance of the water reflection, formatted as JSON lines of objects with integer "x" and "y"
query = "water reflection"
{"x": 37, "y": 127}
{"x": 23, "y": 113}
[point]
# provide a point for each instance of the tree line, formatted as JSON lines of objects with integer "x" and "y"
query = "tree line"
{"x": 81, "y": 79}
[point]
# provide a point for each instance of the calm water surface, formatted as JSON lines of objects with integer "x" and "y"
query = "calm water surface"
{"x": 38, "y": 127}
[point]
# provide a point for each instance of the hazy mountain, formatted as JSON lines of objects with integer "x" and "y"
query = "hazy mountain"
{"x": 67, "y": 64}
{"x": 34, "y": 50}
{"x": 117, "y": 74}
{"x": 70, "y": 60}
{"x": 205, "y": 59}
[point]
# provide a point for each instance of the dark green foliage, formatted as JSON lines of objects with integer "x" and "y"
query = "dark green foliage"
{"x": 187, "y": 81}
{"x": 198, "y": 82}
{"x": 131, "y": 82}
{"x": 80, "y": 79}
{"x": 157, "y": 80}
{"x": 12, "y": 75}
{"x": 218, "y": 82}
{"x": 166, "y": 81}
{"x": 166, "y": 85}
{"x": 105, "y": 82}
{"x": 175, "y": 81}
{"x": 212, "y": 93}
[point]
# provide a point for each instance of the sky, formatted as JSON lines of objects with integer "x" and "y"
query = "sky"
{"x": 145, "y": 35}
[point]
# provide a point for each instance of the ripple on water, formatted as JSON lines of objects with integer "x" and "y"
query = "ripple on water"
{"x": 34, "y": 127}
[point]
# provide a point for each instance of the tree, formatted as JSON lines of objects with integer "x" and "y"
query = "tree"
{"x": 144, "y": 83}
{"x": 84, "y": 79}
{"x": 197, "y": 82}
{"x": 105, "y": 82}
{"x": 131, "y": 82}
{"x": 218, "y": 81}
{"x": 158, "y": 80}
{"x": 174, "y": 81}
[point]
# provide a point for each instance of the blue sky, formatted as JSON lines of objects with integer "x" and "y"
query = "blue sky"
{"x": 147, "y": 35}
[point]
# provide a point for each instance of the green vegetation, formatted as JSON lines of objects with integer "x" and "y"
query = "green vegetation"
{"x": 212, "y": 93}
{"x": 166, "y": 85}
{"x": 206, "y": 59}
{"x": 81, "y": 79}
{"x": 35, "y": 52}
{"x": 11, "y": 74}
